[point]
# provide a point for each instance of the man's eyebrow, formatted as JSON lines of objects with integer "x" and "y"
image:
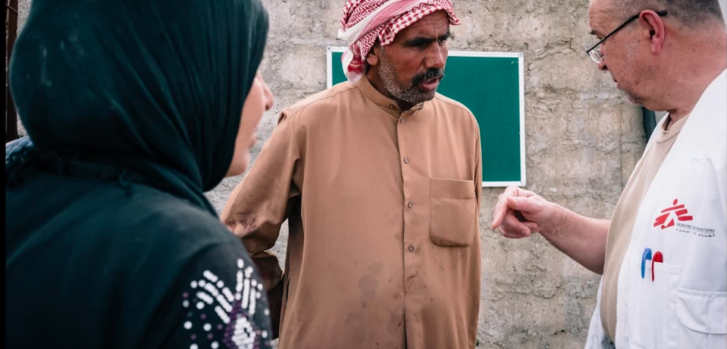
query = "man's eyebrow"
{"x": 446, "y": 36}
{"x": 423, "y": 40}
{"x": 419, "y": 41}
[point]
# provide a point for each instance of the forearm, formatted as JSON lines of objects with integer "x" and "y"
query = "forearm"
{"x": 581, "y": 238}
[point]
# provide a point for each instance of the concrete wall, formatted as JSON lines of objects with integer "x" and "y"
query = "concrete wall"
{"x": 583, "y": 141}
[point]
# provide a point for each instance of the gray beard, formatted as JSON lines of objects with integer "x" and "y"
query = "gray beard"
{"x": 389, "y": 78}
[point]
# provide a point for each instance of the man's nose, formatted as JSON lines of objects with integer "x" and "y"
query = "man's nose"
{"x": 436, "y": 57}
{"x": 602, "y": 52}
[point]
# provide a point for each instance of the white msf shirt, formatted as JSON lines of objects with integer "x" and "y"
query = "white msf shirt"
{"x": 672, "y": 285}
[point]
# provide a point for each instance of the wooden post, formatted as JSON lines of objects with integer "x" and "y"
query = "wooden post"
{"x": 11, "y": 23}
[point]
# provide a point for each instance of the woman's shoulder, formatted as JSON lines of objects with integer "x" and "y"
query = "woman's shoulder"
{"x": 130, "y": 220}
{"x": 148, "y": 209}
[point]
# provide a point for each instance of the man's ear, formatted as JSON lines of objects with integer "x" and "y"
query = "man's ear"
{"x": 654, "y": 30}
{"x": 373, "y": 57}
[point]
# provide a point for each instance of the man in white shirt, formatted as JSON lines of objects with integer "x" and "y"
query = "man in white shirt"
{"x": 663, "y": 255}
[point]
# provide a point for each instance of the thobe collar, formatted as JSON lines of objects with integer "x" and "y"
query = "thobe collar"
{"x": 386, "y": 103}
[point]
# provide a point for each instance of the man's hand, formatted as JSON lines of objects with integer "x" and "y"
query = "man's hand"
{"x": 520, "y": 213}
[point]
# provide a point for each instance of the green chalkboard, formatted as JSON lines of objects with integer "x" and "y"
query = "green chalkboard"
{"x": 491, "y": 86}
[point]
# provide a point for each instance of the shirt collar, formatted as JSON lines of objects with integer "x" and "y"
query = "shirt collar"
{"x": 370, "y": 92}
{"x": 674, "y": 129}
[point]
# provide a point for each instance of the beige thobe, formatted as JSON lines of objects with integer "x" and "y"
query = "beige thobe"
{"x": 382, "y": 207}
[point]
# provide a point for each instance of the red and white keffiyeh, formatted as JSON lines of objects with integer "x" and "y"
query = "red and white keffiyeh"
{"x": 364, "y": 21}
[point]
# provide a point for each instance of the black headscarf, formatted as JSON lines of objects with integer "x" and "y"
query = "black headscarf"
{"x": 147, "y": 91}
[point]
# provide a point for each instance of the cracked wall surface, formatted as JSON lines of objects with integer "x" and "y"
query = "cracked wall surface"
{"x": 582, "y": 140}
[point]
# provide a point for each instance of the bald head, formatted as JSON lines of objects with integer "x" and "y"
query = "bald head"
{"x": 691, "y": 13}
{"x": 664, "y": 57}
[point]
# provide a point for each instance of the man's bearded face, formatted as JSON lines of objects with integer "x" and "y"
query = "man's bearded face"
{"x": 411, "y": 67}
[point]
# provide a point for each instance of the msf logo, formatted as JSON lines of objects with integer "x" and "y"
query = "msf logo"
{"x": 672, "y": 214}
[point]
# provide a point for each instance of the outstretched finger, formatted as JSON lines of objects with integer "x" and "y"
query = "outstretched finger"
{"x": 525, "y": 193}
{"x": 501, "y": 208}
{"x": 499, "y": 214}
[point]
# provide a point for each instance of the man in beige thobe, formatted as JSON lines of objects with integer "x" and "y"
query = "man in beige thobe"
{"x": 380, "y": 181}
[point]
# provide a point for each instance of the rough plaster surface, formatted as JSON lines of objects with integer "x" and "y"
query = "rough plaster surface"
{"x": 582, "y": 140}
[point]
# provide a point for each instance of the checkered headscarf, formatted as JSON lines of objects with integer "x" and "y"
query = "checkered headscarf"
{"x": 364, "y": 21}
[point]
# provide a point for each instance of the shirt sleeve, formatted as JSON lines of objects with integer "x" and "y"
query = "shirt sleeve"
{"x": 266, "y": 197}
{"x": 478, "y": 167}
{"x": 16, "y": 146}
{"x": 258, "y": 205}
{"x": 220, "y": 303}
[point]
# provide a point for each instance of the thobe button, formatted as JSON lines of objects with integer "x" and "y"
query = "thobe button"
{"x": 411, "y": 204}
{"x": 406, "y": 160}
{"x": 411, "y": 248}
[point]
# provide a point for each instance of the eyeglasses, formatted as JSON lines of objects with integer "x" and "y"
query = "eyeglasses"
{"x": 595, "y": 51}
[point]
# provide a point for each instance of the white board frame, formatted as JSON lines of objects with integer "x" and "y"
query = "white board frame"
{"x": 520, "y": 59}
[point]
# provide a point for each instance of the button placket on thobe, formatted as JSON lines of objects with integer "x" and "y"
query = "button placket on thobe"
{"x": 409, "y": 243}
{"x": 406, "y": 129}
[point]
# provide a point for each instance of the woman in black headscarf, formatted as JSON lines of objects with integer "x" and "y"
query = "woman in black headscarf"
{"x": 134, "y": 108}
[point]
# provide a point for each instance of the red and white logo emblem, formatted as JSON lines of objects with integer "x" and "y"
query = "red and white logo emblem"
{"x": 672, "y": 214}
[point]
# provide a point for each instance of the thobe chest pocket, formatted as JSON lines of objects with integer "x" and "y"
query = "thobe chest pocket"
{"x": 453, "y": 216}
